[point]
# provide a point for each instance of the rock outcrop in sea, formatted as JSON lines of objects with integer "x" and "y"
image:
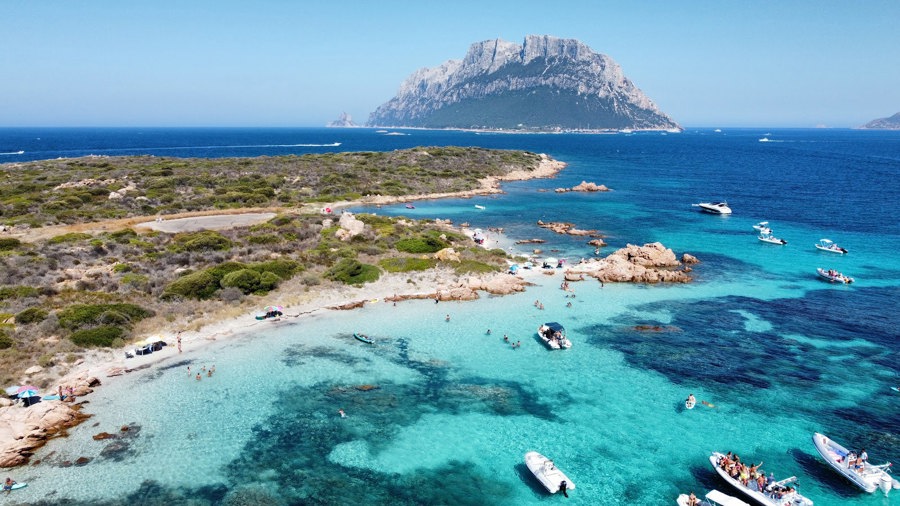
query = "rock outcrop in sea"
{"x": 544, "y": 84}
{"x": 25, "y": 429}
{"x": 891, "y": 123}
{"x": 650, "y": 263}
{"x": 344, "y": 121}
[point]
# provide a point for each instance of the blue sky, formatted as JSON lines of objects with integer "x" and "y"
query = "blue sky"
{"x": 301, "y": 63}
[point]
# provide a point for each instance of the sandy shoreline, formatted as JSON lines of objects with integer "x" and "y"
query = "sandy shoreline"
{"x": 20, "y": 434}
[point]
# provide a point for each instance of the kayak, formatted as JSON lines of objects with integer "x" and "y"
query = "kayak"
{"x": 17, "y": 486}
{"x": 364, "y": 338}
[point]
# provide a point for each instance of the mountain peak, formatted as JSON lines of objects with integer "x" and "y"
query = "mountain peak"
{"x": 545, "y": 83}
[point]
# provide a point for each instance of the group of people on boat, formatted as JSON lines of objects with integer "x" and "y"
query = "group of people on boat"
{"x": 857, "y": 460}
{"x": 752, "y": 477}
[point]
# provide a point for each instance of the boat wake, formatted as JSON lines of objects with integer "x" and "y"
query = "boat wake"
{"x": 148, "y": 149}
{"x": 14, "y": 153}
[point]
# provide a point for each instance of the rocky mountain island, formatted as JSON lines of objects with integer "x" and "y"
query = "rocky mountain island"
{"x": 892, "y": 123}
{"x": 343, "y": 121}
{"x": 544, "y": 84}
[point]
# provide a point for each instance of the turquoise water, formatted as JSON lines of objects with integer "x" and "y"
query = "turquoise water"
{"x": 453, "y": 410}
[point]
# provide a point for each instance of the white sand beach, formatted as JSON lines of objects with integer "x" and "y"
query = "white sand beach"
{"x": 23, "y": 430}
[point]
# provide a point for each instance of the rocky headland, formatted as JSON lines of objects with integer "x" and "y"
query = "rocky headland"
{"x": 890, "y": 123}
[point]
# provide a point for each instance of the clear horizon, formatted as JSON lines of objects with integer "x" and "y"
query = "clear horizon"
{"x": 165, "y": 63}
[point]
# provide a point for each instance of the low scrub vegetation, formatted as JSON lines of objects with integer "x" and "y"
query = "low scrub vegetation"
{"x": 75, "y": 290}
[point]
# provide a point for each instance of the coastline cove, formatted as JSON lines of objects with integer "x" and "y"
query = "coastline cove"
{"x": 441, "y": 412}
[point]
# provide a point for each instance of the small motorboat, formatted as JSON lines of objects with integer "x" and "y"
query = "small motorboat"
{"x": 763, "y": 227}
{"x": 410, "y": 206}
{"x": 829, "y": 246}
{"x": 834, "y": 276}
{"x": 775, "y": 493}
{"x": 713, "y": 498}
{"x": 364, "y": 338}
{"x": 866, "y": 476}
{"x": 554, "y": 336}
{"x": 714, "y": 207}
{"x": 478, "y": 206}
{"x": 550, "y": 476}
{"x": 771, "y": 239}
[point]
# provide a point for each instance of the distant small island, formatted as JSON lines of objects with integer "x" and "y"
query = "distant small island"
{"x": 891, "y": 123}
{"x": 343, "y": 121}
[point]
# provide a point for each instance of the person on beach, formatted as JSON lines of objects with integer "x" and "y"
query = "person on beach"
{"x": 447, "y": 318}
{"x": 692, "y": 500}
{"x": 7, "y": 487}
{"x": 341, "y": 412}
{"x": 198, "y": 377}
{"x": 178, "y": 337}
{"x": 488, "y": 331}
{"x": 505, "y": 338}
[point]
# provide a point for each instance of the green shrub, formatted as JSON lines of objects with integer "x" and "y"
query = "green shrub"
{"x": 121, "y": 268}
{"x": 353, "y": 272}
{"x": 46, "y": 360}
{"x": 9, "y": 243}
{"x": 6, "y": 341}
{"x": 268, "y": 281}
{"x": 406, "y": 264}
{"x": 247, "y": 280}
{"x": 83, "y": 315}
{"x": 197, "y": 285}
{"x": 283, "y": 268}
{"x": 204, "y": 240}
{"x": 31, "y": 315}
{"x": 135, "y": 280}
{"x": 99, "y": 336}
{"x": 220, "y": 271}
{"x": 421, "y": 245}
{"x": 72, "y": 237}
{"x": 474, "y": 267}
{"x": 18, "y": 292}
{"x": 264, "y": 239}
{"x": 123, "y": 236}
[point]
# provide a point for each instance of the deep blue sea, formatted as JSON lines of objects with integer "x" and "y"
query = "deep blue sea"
{"x": 779, "y": 353}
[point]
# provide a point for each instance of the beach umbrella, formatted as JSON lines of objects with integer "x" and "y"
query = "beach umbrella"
{"x": 13, "y": 390}
{"x": 27, "y": 391}
{"x": 270, "y": 309}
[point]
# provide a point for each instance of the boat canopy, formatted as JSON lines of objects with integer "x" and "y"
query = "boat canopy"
{"x": 717, "y": 497}
{"x": 826, "y": 242}
{"x": 554, "y": 327}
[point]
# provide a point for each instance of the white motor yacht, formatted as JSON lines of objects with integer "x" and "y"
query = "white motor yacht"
{"x": 714, "y": 207}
